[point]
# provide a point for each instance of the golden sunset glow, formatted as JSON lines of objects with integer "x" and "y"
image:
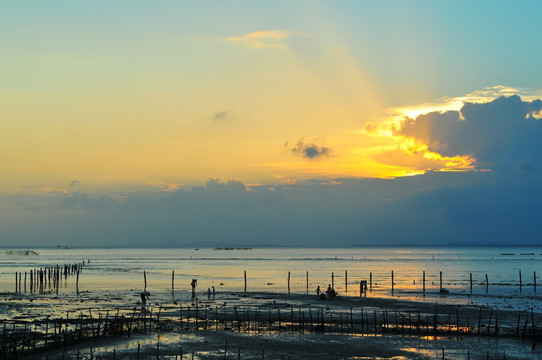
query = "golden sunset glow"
{"x": 156, "y": 107}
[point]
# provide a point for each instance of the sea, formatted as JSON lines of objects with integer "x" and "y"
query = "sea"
{"x": 495, "y": 271}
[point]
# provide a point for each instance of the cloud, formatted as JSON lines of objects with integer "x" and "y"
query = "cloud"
{"x": 446, "y": 103}
{"x": 214, "y": 185}
{"x": 502, "y": 134}
{"x": 263, "y": 39}
{"x": 75, "y": 183}
{"x": 53, "y": 191}
{"x": 310, "y": 151}
{"x": 164, "y": 185}
{"x": 432, "y": 209}
{"x": 480, "y": 131}
{"x": 87, "y": 202}
{"x": 220, "y": 116}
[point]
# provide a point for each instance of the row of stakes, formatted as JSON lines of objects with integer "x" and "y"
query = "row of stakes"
{"x": 364, "y": 286}
{"x": 40, "y": 279}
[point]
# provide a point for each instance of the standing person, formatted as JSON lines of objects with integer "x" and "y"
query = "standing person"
{"x": 318, "y": 290}
{"x": 194, "y": 283}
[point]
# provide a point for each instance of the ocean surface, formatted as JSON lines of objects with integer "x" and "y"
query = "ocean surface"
{"x": 267, "y": 269}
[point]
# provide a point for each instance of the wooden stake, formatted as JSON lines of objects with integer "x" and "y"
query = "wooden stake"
{"x": 392, "y": 282}
{"x": 288, "y": 283}
{"x": 440, "y": 288}
{"x": 479, "y": 320}
{"x": 345, "y": 281}
{"x": 307, "y": 282}
{"x": 145, "y": 278}
{"x": 371, "y": 282}
{"x": 489, "y": 322}
{"x": 470, "y": 275}
{"x": 423, "y": 281}
{"x": 245, "y": 272}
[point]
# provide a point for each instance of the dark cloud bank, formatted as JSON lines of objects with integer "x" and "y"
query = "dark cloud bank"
{"x": 498, "y": 207}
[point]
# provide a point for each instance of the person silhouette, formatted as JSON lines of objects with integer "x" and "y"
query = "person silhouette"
{"x": 145, "y": 295}
{"x": 194, "y": 283}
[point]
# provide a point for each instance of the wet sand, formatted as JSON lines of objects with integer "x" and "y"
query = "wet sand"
{"x": 497, "y": 334}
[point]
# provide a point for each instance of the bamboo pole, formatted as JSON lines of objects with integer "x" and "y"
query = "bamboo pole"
{"x": 145, "y": 278}
{"x": 392, "y": 282}
{"x": 288, "y": 282}
{"x": 423, "y": 281}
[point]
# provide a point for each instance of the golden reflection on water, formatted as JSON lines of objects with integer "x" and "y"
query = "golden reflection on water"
{"x": 267, "y": 270}
{"x": 431, "y": 337}
{"x": 424, "y": 352}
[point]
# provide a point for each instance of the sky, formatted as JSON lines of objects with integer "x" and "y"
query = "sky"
{"x": 295, "y": 123}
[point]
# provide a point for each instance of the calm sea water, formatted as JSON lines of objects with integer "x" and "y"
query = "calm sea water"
{"x": 267, "y": 268}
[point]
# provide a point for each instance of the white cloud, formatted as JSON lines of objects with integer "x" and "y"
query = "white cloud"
{"x": 263, "y": 39}
{"x": 53, "y": 191}
{"x": 165, "y": 186}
